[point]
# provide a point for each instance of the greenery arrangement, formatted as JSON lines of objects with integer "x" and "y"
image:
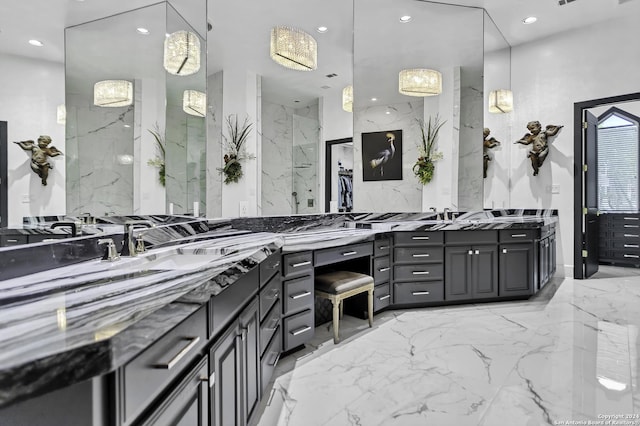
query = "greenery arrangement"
{"x": 159, "y": 159}
{"x": 425, "y": 166}
{"x": 236, "y": 152}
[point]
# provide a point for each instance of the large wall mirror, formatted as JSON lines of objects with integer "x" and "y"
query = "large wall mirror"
{"x": 110, "y": 141}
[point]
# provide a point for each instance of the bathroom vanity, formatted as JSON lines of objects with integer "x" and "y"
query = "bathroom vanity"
{"x": 192, "y": 329}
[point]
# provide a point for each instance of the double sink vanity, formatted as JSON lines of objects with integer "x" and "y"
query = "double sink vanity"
{"x": 190, "y": 330}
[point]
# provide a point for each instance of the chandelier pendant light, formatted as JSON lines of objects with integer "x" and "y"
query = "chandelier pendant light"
{"x": 194, "y": 102}
{"x": 293, "y": 48}
{"x": 420, "y": 82}
{"x": 113, "y": 93}
{"x": 182, "y": 53}
{"x": 347, "y": 98}
{"x": 500, "y": 101}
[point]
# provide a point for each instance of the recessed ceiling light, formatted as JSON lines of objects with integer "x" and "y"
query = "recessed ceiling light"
{"x": 142, "y": 30}
{"x": 374, "y": 99}
{"x": 529, "y": 20}
{"x": 126, "y": 126}
{"x": 404, "y": 19}
{"x": 36, "y": 43}
{"x": 322, "y": 29}
{"x": 387, "y": 112}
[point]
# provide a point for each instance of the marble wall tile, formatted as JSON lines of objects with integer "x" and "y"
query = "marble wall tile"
{"x": 306, "y": 136}
{"x": 214, "y": 145}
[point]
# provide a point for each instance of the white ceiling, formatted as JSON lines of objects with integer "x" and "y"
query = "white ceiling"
{"x": 248, "y": 27}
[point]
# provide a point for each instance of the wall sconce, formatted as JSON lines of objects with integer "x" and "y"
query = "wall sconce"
{"x": 420, "y": 82}
{"x": 500, "y": 101}
{"x": 182, "y": 53}
{"x": 194, "y": 103}
{"x": 347, "y": 98}
{"x": 61, "y": 114}
{"x": 113, "y": 93}
{"x": 293, "y": 48}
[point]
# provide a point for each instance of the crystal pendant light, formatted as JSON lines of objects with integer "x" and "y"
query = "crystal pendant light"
{"x": 293, "y": 48}
{"x": 113, "y": 93}
{"x": 347, "y": 98}
{"x": 420, "y": 82}
{"x": 182, "y": 53}
{"x": 194, "y": 103}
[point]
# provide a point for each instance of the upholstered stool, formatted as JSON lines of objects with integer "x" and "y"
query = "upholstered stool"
{"x": 339, "y": 285}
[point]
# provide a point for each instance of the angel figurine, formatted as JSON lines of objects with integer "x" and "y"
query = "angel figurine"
{"x": 487, "y": 142}
{"x": 40, "y": 154}
{"x": 539, "y": 139}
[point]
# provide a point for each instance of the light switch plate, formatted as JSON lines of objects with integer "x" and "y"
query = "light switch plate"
{"x": 244, "y": 209}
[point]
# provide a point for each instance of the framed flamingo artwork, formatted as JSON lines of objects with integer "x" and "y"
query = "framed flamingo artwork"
{"x": 382, "y": 155}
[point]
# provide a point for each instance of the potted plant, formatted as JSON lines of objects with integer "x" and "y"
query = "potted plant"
{"x": 159, "y": 159}
{"x": 235, "y": 148}
{"x": 425, "y": 166}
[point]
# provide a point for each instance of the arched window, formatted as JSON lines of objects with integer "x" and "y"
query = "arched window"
{"x": 618, "y": 146}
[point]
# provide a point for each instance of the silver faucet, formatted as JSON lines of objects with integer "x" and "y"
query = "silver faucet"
{"x": 446, "y": 213}
{"x": 110, "y": 254}
{"x": 129, "y": 242}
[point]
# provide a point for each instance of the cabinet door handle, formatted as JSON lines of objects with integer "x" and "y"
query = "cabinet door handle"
{"x": 630, "y": 218}
{"x": 173, "y": 361}
{"x": 299, "y": 295}
{"x": 299, "y": 264}
{"x": 419, "y": 238}
{"x": 12, "y": 240}
{"x": 504, "y": 250}
{"x": 631, "y": 226}
{"x": 300, "y": 330}
{"x": 421, "y": 255}
{"x": 477, "y": 251}
{"x": 631, "y": 235}
{"x": 470, "y": 252}
{"x": 275, "y": 265}
{"x": 518, "y": 235}
{"x": 635, "y": 256}
{"x": 420, "y": 293}
{"x": 420, "y": 272}
{"x": 274, "y": 294}
{"x": 381, "y": 298}
{"x": 631, "y": 246}
{"x": 383, "y": 248}
{"x": 275, "y": 322}
{"x": 349, "y": 253}
{"x": 383, "y": 269}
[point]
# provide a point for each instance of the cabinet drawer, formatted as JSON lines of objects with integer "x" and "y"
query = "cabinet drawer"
{"x": 340, "y": 254}
{"x": 615, "y": 219}
{"x": 147, "y": 375}
{"x": 630, "y": 246}
{"x": 514, "y": 236}
{"x": 418, "y": 254}
{"x": 270, "y": 359}
{"x": 382, "y": 247}
{"x": 269, "y": 267}
{"x": 297, "y": 294}
{"x": 269, "y": 326}
{"x": 471, "y": 237}
{"x": 269, "y": 295}
{"x": 13, "y": 240}
{"x": 631, "y": 235}
{"x": 381, "y": 269}
{"x": 418, "y": 238}
{"x": 418, "y": 272}
{"x": 297, "y": 329}
{"x": 297, "y": 263}
{"x": 381, "y": 296}
{"x": 419, "y": 292}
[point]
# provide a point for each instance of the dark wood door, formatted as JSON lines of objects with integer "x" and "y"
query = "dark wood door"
{"x": 591, "y": 229}
{"x": 484, "y": 271}
{"x": 457, "y": 276}
{"x": 188, "y": 403}
{"x": 249, "y": 326}
{"x": 225, "y": 373}
{"x": 516, "y": 270}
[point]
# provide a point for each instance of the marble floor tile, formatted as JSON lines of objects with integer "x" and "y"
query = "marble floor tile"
{"x": 568, "y": 354}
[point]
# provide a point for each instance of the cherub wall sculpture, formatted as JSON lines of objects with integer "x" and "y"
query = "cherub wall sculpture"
{"x": 40, "y": 154}
{"x": 540, "y": 141}
{"x": 488, "y": 142}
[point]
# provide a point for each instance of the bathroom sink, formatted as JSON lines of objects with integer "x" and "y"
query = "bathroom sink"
{"x": 180, "y": 261}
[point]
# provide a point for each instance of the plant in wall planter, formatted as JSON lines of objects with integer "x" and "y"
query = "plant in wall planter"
{"x": 425, "y": 166}
{"x": 236, "y": 151}
{"x": 158, "y": 161}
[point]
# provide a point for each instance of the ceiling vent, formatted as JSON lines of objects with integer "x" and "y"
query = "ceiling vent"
{"x": 331, "y": 75}
{"x": 563, "y": 2}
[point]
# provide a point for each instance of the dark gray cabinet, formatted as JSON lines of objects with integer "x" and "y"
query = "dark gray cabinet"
{"x": 418, "y": 268}
{"x": 225, "y": 375}
{"x": 516, "y": 269}
{"x": 471, "y": 272}
{"x": 298, "y": 299}
{"x": 188, "y": 402}
{"x": 381, "y": 273}
{"x": 249, "y": 323}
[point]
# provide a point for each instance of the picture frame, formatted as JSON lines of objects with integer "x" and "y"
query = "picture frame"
{"x": 382, "y": 155}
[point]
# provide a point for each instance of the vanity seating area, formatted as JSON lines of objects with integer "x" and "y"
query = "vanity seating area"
{"x": 193, "y": 328}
